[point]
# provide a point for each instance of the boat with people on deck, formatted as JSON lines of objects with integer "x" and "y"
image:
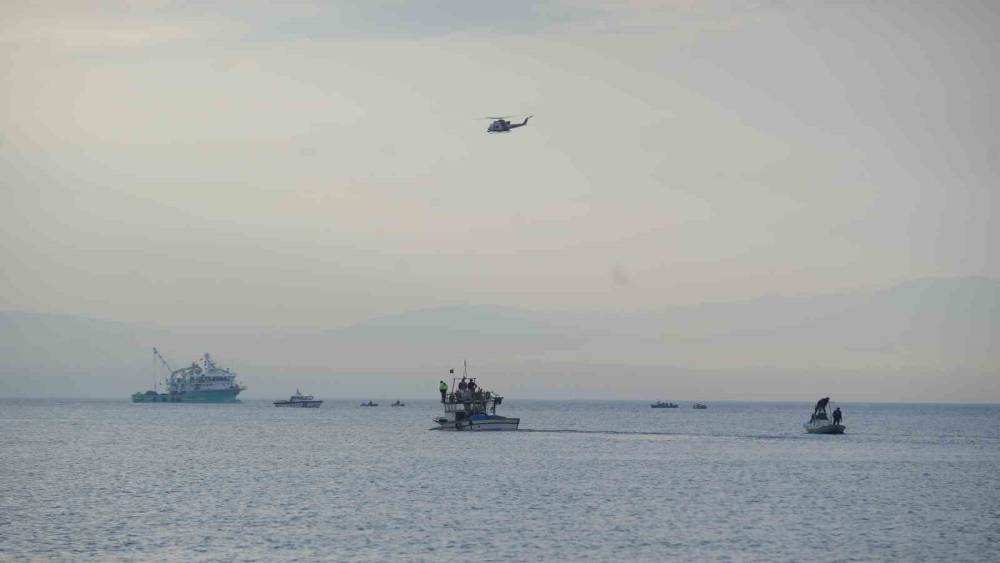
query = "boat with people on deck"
{"x": 470, "y": 407}
{"x": 301, "y": 401}
{"x": 820, "y": 423}
{"x": 369, "y": 404}
{"x": 398, "y": 404}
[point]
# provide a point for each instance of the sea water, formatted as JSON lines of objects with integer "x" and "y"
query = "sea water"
{"x": 113, "y": 480}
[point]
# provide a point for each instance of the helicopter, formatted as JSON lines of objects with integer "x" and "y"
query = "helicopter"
{"x": 501, "y": 125}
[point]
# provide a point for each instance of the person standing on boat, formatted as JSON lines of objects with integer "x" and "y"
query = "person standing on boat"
{"x": 837, "y": 416}
{"x": 443, "y": 388}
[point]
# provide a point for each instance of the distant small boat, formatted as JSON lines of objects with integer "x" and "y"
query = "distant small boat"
{"x": 699, "y": 406}
{"x": 398, "y": 404}
{"x": 369, "y": 404}
{"x": 820, "y": 423}
{"x": 663, "y": 405}
{"x": 299, "y": 400}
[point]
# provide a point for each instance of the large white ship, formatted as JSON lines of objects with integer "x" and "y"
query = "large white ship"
{"x": 202, "y": 382}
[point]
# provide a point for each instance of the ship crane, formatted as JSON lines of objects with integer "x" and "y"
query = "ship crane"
{"x": 163, "y": 361}
{"x": 173, "y": 373}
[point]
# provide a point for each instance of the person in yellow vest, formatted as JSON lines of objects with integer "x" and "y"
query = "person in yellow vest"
{"x": 443, "y": 388}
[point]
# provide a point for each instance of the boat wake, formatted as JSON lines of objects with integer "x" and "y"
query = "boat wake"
{"x": 654, "y": 433}
{"x": 612, "y": 432}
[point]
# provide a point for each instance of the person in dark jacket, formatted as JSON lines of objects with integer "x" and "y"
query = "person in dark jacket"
{"x": 837, "y": 417}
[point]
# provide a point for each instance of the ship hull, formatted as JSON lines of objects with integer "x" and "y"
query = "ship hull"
{"x": 480, "y": 423}
{"x": 220, "y": 396}
{"x": 299, "y": 404}
{"x": 151, "y": 397}
{"x": 824, "y": 428}
{"x": 492, "y": 425}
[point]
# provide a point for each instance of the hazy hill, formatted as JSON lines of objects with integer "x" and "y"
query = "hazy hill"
{"x": 928, "y": 327}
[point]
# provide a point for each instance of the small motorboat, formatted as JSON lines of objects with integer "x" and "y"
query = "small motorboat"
{"x": 663, "y": 405}
{"x": 398, "y": 404}
{"x": 820, "y": 423}
{"x": 699, "y": 406}
{"x": 369, "y": 404}
{"x": 299, "y": 400}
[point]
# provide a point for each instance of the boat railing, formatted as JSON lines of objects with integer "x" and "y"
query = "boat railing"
{"x": 465, "y": 406}
{"x": 471, "y": 402}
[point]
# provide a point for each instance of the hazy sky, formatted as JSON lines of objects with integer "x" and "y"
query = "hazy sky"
{"x": 323, "y": 162}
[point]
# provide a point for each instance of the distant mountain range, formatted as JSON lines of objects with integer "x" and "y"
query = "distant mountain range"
{"x": 926, "y": 327}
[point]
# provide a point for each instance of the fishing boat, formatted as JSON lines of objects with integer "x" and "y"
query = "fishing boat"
{"x": 299, "y": 400}
{"x": 699, "y": 406}
{"x": 369, "y": 404}
{"x": 663, "y": 405}
{"x": 202, "y": 382}
{"x": 398, "y": 404}
{"x": 820, "y": 423}
{"x": 470, "y": 407}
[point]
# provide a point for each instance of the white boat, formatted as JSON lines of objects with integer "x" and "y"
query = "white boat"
{"x": 699, "y": 406}
{"x": 300, "y": 401}
{"x": 470, "y": 407}
{"x": 820, "y": 423}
